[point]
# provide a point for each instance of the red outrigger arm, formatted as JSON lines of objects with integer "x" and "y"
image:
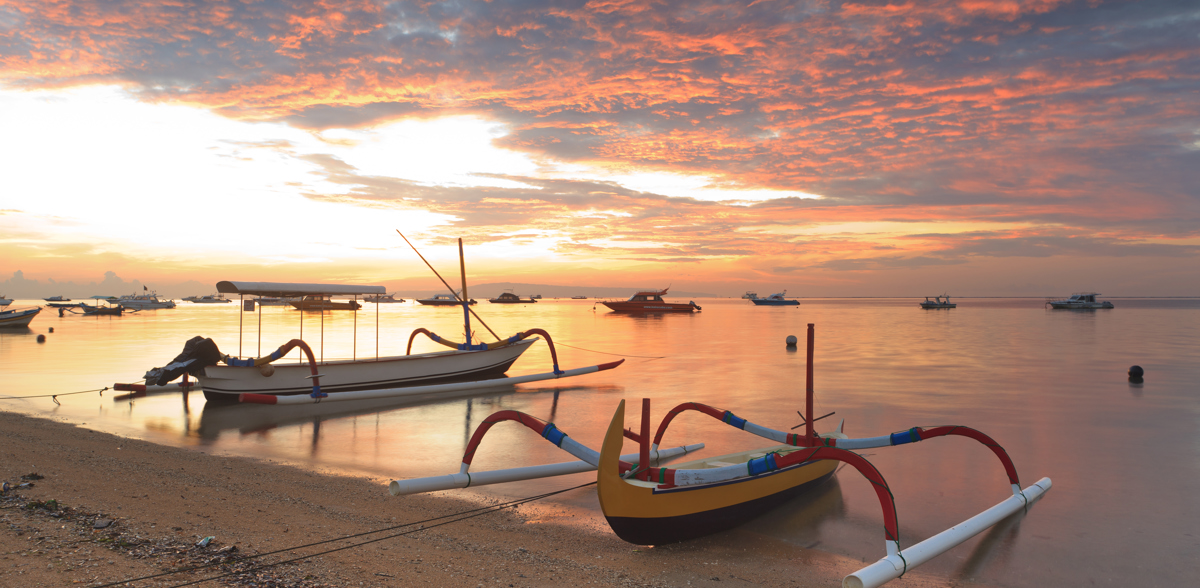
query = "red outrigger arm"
{"x": 278, "y": 353}
{"x": 482, "y": 346}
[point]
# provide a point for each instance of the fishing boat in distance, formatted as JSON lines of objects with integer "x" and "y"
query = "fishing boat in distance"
{"x": 1080, "y": 301}
{"x": 208, "y": 299}
{"x": 579, "y": 298}
{"x": 57, "y": 299}
{"x": 647, "y": 504}
{"x": 443, "y": 300}
{"x": 650, "y": 301}
{"x": 510, "y": 298}
{"x": 776, "y": 299}
{"x": 324, "y": 302}
{"x": 382, "y": 299}
{"x": 18, "y": 317}
{"x": 144, "y": 301}
{"x": 276, "y": 301}
{"x": 5, "y": 301}
{"x": 937, "y": 302}
{"x": 749, "y": 295}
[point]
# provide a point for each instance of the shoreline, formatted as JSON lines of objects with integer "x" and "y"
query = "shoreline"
{"x": 162, "y": 500}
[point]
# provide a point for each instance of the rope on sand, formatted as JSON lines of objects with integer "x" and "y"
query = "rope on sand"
{"x": 54, "y": 397}
{"x": 454, "y": 518}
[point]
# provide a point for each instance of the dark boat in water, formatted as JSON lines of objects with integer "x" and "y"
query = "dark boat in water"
{"x": 324, "y": 303}
{"x": 650, "y": 301}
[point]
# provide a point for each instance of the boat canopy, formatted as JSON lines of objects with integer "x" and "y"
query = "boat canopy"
{"x": 279, "y": 289}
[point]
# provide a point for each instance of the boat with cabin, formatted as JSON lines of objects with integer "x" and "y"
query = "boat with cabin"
{"x": 57, "y": 299}
{"x": 18, "y": 317}
{"x": 209, "y": 299}
{"x": 1080, "y": 301}
{"x": 750, "y": 295}
{"x": 650, "y": 301}
{"x": 942, "y": 301}
{"x": 5, "y": 301}
{"x": 776, "y": 299}
{"x": 510, "y": 298}
{"x": 144, "y": 301}
{"x": 443, "y": 300}
{"x": 648, "y": 504}
{"x": 382, "y": 299}
{"x": 324, "y": 302}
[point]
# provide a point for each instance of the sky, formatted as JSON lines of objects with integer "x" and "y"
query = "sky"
{"x": 1009, "y": 148}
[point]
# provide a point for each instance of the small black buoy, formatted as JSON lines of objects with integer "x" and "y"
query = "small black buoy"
{"x": 1136, "y": 372}
{"x": 51, "y": 329}
{"x": 791, "y": 340}
{"x": 41, "y": 338}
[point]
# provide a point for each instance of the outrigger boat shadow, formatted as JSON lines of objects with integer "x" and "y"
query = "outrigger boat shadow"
{"x": 648, "y": 504}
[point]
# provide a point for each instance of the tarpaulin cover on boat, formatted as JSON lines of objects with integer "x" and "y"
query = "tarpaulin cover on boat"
{"x": 279, "y": 289}
{"x": 197, "y": 353}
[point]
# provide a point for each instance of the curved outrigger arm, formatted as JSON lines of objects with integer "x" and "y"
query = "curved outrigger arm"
{"x": 279, "y": 353}
{"x": 900, "y": 438}
{"x": 468, "y": 346}
{"x": 588, "y": 458}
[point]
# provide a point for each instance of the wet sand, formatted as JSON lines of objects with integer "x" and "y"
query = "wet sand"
{"x": 154, "y": 503}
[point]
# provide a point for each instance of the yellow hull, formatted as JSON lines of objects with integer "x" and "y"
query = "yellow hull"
{"x": 647, "y": 514}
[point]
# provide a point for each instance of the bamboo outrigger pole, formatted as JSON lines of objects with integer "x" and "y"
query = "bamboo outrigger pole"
{"x": 452, "y": 293}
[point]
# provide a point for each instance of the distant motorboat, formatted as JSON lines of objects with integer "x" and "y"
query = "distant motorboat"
{"x": 776, "y": 299}
{"x": 143, "y": 301}
{"x": 18, "y": 317}
{"x": 382, "y": 298}
{"x": 209, "y": 299}
{"x": 749, "y": 295}
{"x": 270, "y": 301}
{"x": 510, "y": 298}
{"x": 937, "y": 302}
{"x": 57, "y": 299}
{"x": 1080, "y": 301}
{"x": 442, "y": 300}
{"x": 579, "y": 298}
{"x": 319, "y": 302}
{"x": 650, "y": 301}
{"x": 5, "y": 301}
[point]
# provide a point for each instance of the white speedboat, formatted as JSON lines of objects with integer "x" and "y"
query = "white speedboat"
{"x": 777, "y": 299}
{"x": 5, "y": 301}
{"x": 937, "y": 302}
{"x": 1080, "y": 301}
{"x": 383, "y": 299}
{"x": 209, "y": 299}
{"x": 144, "y": 301}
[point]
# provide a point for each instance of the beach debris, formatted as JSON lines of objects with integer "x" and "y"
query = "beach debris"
{"x": 33, "y": 476}
{"x": 205, "y": 541}
{"x": 102, "y": 523}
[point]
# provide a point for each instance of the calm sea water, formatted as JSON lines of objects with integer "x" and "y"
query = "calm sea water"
{"x": 1050, "y": 386}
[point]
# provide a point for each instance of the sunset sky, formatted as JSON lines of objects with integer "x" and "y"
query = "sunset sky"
{"x": 1022, "y": 147}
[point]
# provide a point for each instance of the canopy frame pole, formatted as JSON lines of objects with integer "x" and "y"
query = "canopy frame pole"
{"x": 377, "y": 331}
{"x": 259, "y": 354}
{"x": 239, "y": 329}
{"x": 354, "y": 345}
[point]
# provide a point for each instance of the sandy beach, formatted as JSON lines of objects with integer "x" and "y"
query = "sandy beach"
{"x": 89, "y": 508}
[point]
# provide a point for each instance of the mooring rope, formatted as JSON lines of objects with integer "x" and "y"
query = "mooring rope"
{"x": 455, "y": 517}
{"x": 54, "y": 397}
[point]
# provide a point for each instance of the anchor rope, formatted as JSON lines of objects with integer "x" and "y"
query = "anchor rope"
{"x": 55, "y": 396}
{"x": 454, "y": 518}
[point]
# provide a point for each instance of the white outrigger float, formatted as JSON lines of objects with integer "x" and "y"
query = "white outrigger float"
{"x": 656, "y": 505}
{"x": 225, "y": 378}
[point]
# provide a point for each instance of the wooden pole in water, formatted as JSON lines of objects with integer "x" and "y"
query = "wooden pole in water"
{"x": 808, "y": 388}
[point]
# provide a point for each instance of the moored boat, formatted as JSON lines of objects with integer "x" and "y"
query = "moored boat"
{"x": 650, "y": 301}
{"x": 144, "y": 301}
{"x": 324, "y": 302}
{"x": 18, "y": 317}
{"x": 382, "y": 299}
{"x": 938, "y": 302}
{"x": 57, "y": 299}
{"x": 1080, "y": 301}
{"x": 208, "y": 299}
{"x": 510, "y": 298}
{"x": 777, "y": 299}
{"x": 5, "y": 301}
{"x": 750, "y": 295}
{"x": 442, "y": 300}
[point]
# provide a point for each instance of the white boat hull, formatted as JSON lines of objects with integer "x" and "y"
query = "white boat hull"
{"x": 225, "y": 383}
{"x": 18, "y": 318}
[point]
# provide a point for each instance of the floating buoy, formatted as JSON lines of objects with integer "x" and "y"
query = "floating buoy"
{"x": 41, "y": 338}
{"x": 1136, "y": 372}
{"x": 51, "y": 329}
{"x": 791, "y": 340}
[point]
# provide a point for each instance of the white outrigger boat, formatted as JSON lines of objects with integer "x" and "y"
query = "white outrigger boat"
{"x": 1080, "y": 301}
{"x": 650, "y": 505}
{"x": 225, "y": 378}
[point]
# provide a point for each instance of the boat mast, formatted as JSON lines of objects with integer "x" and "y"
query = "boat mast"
{"x": 462, "y": 269}
{"x": 808, "y": 390}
